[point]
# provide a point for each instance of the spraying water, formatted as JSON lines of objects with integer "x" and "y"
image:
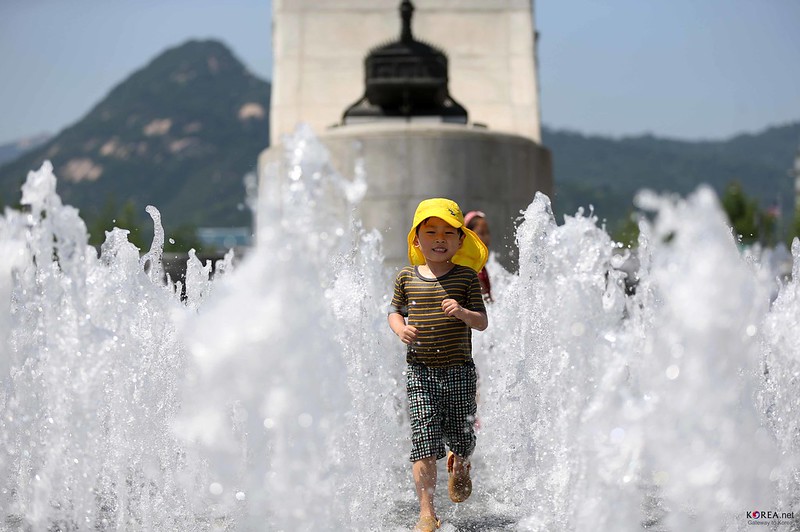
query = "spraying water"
{"x": 93, "y": 365}
{"x": 270, "y": 398}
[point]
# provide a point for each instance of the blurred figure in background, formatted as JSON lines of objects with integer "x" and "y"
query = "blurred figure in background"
{"x": 476, "y": 221}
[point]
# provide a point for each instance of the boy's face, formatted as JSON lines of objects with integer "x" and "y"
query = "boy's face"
{"x": 438, "y": 240}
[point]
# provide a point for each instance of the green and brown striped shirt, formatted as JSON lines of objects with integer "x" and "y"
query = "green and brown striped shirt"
{"x": 441, "y": 340}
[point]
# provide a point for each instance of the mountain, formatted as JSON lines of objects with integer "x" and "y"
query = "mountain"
{"x": 607, "y": 172}
{"x": 12, "y": 150}
{"x": 179, "y": 134}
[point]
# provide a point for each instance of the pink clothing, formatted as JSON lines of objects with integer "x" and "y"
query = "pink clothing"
{"x": 486, "y": 285}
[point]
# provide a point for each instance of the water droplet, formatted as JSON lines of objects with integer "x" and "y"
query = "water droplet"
{"x": 305, "y": 420}
{"x": 672, "y": 372}
{"x": 240, "y": 496}
{"x": 660, "y": 478}
{"x": 215, "y": 488}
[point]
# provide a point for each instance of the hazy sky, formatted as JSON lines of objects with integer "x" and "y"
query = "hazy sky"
{"x": 685, "y": 69}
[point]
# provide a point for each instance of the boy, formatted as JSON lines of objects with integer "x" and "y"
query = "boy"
{"x": 441, "y": 296}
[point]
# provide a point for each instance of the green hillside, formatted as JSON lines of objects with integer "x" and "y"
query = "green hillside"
{"x": 182, "y": 132}
{"x": 606, "y": 172}
{"x": 179, "y": 134}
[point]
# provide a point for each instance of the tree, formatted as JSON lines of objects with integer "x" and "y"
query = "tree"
{"x": 112, "y": 216}
{"x": 181, "y": 239}
{"x": 749, "y": 222}
{"x": 742, "y": 213}
{"x": 626, "y": 231}
{"x": 794, "y": 229}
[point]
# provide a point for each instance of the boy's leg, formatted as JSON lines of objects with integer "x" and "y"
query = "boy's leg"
{"x": 424, "y": 396}
{"x": 459, "y": 485}
{"x": 425, "y": 482}
{"x": 459, "y": 465}
{"x": 459, "y": 429}
{"x": 461, "y": 409}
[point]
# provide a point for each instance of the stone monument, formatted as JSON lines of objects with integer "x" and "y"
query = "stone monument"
{"x": 454, "y": 113}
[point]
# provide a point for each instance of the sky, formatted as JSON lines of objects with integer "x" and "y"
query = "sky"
{"x": 683, "y": 69}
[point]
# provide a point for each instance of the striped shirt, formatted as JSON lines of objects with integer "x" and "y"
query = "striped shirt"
{"x": 442, "y": 340}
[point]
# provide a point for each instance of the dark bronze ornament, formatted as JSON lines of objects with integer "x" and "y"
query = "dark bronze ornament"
{"x": 405, "y": 79}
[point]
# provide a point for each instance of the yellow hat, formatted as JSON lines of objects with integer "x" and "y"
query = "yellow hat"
{"x": 473, "y": 252}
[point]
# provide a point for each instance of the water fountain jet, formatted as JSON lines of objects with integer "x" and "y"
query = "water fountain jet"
{"x": 271, "y": 396}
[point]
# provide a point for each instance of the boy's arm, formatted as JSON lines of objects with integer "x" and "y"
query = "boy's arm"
{"x": 407, "y": 333}
{"x": 476, "y": 320}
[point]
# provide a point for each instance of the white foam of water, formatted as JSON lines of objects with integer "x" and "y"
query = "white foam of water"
{"x": 296, "y": 340}
{"x": 780, "y": 343}
{"x": 621, "y": 413}
{"x": 95, "y": 364}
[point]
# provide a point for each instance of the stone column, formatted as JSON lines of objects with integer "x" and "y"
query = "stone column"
{"x": 495, "y": 163}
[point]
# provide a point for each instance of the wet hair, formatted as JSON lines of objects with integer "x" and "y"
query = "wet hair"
{"x": 416, "y": 231}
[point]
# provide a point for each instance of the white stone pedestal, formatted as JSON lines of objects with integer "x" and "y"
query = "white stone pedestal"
{"x": 407, "y": 162}
{"x": 319, "y": 49}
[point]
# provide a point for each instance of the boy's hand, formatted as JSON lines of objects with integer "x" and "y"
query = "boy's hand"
{"x": 452, "y": 308}
{"x": 408, "y": 334}
{"x": 476, "y": 320}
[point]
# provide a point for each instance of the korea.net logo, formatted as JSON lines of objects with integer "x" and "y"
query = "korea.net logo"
{"x": 769, "y": 517}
